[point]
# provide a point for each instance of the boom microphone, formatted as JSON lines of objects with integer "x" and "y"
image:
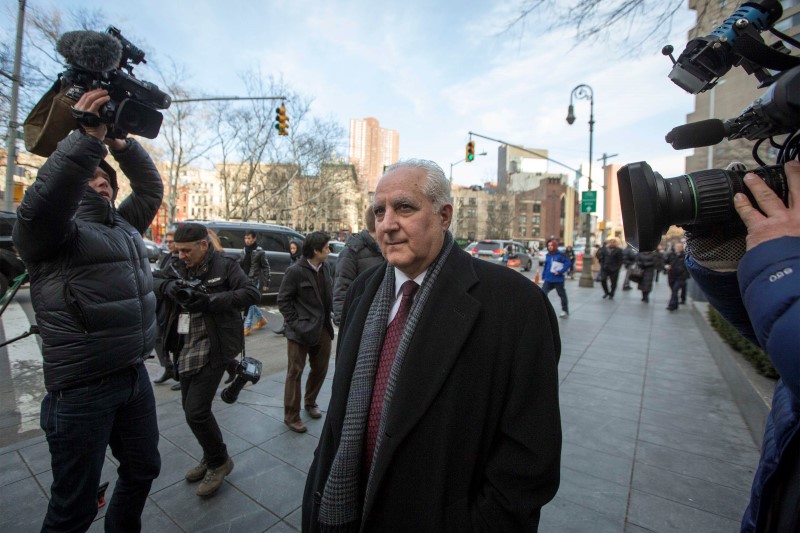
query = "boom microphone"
{"x": 703, "y": 133}
{"x": 90, "y": 50}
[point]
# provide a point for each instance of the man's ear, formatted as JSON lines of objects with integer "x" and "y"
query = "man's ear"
{"x": 446, "y": 212}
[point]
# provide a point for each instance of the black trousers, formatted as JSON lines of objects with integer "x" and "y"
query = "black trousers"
{"x": 606, "y": 275}
{"x": 197, "y": 393}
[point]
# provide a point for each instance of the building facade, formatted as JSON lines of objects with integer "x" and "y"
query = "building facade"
{"x": 371, "y": 149}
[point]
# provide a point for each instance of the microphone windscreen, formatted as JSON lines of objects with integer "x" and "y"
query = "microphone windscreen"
{"x": 703, "y": 133}
{"x": 90, "y": 50}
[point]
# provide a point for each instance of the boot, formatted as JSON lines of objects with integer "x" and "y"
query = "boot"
{"x": 246, "y": 332}
{"x": 260, "y": 324}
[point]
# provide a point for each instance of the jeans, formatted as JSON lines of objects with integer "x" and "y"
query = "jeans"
{"x": 252, "y": 313}
{"x": 117, "y": 410}
{"x": 318, "y": 357}
{"x": 562, "y": 293}
{"x": 677, "y": 286}
{"x": 197, "y": 393}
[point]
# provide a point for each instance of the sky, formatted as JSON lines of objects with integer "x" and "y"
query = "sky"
{"x": 432, "y": 70}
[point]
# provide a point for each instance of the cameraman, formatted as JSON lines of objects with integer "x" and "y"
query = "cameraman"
{"x": 92, "y": 291}
{"x": 767, "y": 311}
{"x": 205, "y": 293}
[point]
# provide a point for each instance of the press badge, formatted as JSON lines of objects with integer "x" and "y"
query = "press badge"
{"x": 183, "y": 323}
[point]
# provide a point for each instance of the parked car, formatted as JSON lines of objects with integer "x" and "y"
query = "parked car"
{"x": 333, "y": 258}
{"x": 153, "y": 250}
{"x": 495, "y": 250}
{"x": 272, "y": 238}
{"x": 11, "y": 265}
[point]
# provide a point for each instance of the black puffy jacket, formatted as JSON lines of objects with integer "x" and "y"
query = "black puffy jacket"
{"x": 360, "y": 253}
{"x": 91, "y": 284}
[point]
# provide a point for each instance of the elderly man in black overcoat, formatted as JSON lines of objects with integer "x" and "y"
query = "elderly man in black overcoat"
{"x": 444, "y": 411}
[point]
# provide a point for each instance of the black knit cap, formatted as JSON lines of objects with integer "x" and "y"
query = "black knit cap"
{"x": 190, "y": 232}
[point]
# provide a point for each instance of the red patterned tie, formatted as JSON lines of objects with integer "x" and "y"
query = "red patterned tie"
{"x": 390, "y": 344}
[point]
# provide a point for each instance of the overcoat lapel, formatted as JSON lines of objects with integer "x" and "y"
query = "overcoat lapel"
{"x": 451, "y": 311}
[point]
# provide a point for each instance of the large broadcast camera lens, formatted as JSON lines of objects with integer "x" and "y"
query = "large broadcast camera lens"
{"x": 138, "y": 119}
{"x": 651, "y": 204}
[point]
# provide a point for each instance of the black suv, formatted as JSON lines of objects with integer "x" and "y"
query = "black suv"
{"x": 272, "y": 238}
{"x": 10, "y": 264}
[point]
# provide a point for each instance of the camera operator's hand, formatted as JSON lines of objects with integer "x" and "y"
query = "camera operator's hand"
{"x": 198, "y": 303}
{"x": 91, "y": 102}
{"x": 780, "y": 221}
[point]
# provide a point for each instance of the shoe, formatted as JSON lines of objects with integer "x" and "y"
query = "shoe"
{"x": 260, "y": 324}
{"x": 282, "y": 331}
{"x": 610, "y": 296}
{"x": 683, "y": 302}
{"x": 672, "y": 308}
{"x": 164, "y": 377}
{"x": 246, "y": 332}
{"x": 313, "y": 411}
{"x": 197, "y": 473}
{"x": 627, "y": 288}
{"x": 176, "y": 386}
{"x": 564, "y": 314}
{"x": 297, "y": 427}
{"x": 214, "y": 478}
{"x": 605, "y": 296}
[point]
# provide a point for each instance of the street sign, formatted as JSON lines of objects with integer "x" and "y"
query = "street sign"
{"x": 588, "y": 201}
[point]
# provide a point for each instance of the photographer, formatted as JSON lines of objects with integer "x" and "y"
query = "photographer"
{"x": 92, "y": 291}
{"x": 205, "y": 293}
{"x": 767, "y": 311}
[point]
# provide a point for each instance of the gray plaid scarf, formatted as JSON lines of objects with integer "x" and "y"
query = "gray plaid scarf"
{"x": 340, "y": 507}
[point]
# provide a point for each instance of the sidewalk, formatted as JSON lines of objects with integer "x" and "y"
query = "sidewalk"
{"x": 653, "y": 440}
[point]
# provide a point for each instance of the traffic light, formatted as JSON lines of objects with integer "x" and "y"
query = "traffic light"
{"x": 470, "y": 151}
{"x": 281, "y": 121}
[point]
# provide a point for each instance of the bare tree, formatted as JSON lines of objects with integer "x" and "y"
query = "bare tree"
{"x": 631, "y": 23}
{"x": 264, "y": 174}
{"x": 183, "y": 134}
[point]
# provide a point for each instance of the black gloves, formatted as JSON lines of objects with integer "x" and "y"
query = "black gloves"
{"x": 198, "y": 303}
{"x": 168, "y": 289}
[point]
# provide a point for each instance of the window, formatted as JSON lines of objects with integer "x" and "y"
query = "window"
{"x": 523, "y": 220}
{"x": 472, "y": 201}
{"x": 537, "y": 208}
{"x": 523, "y": 231}
{"x": 536, "y": 219}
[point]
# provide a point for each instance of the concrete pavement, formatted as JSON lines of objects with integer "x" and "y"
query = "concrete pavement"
{"x": 653, "y": 437}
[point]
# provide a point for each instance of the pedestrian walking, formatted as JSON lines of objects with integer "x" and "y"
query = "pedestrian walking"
{"x": 609, "y": 267}
{"x": 648, "y": 262}
{"x": 306, "y": 303}
{"x": 677, "y": 276}
{"x": 556, "y": 265}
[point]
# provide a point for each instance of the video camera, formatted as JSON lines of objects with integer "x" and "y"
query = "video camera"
{"x": 105, "y": 61}
{"x": 703, "y": 201}
{"x": 247, "y": 371}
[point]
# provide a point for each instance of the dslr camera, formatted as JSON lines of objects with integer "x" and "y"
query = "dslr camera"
{"x": 187, "y": 290}
{"x": 247, "y": 371}
{"x": 105, "y": 61}
{"x": 702, "y": 202}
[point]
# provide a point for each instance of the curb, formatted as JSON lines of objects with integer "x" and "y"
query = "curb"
{"x": 751, "y": 391}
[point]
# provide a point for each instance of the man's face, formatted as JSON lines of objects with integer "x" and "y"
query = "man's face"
{"x": 409, "y": 233}
{"x": 322, "y": 255}
{"x": 249, "y": 240}
{"x": 191, "y": 253}
{"x": 101, "y": 184}
{"x": 612, "y": 244}
{"x": 169, "y": 240}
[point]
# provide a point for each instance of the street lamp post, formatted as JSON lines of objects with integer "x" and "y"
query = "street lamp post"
{"x": 584, "y": 92}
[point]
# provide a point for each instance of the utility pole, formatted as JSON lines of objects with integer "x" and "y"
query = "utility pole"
{"x": 11, "y": 140}
{"x": 605, "y": 159}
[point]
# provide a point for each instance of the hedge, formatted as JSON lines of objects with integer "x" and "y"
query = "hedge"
{"x": 735, "y": 340}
